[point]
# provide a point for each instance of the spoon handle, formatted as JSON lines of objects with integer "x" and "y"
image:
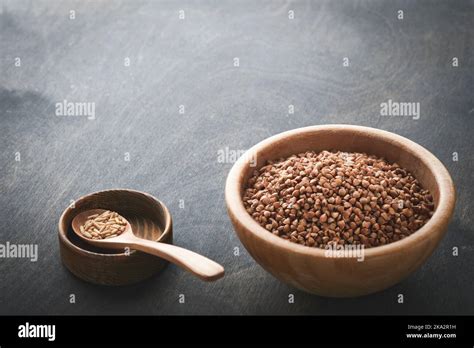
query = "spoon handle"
{"x": 199, "y": 265}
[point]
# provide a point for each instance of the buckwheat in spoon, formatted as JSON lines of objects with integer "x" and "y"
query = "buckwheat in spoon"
{"x": 107, "y": 229}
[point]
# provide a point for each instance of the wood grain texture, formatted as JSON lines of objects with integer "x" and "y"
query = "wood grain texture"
{"x": 175, "y": 156}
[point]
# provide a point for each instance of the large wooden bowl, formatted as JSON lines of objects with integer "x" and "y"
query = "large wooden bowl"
{"x": 149, "y": 218}
{"x": 308, "y": 268}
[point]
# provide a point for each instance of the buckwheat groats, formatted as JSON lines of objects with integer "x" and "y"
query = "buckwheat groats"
{"x": 109, "y": 224}
{"x": 326, "y": 198}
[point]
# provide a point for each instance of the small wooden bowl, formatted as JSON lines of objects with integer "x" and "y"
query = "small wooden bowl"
{"x": 308, "y": 268}
{"x": 149, "y": 218}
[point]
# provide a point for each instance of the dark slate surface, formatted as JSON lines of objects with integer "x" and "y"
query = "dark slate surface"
{"x": 175, "y": 156}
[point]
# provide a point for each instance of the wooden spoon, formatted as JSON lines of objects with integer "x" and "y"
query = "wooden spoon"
{"x": 198, "y": 265}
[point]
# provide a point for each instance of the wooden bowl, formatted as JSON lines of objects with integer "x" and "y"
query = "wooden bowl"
{"x": 308, "y": 268}
{"x": 149, "y": 218}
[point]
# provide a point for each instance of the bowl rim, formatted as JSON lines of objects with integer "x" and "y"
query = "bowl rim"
{"x": 443, "y": 212}
{"x": 63, "y": 234}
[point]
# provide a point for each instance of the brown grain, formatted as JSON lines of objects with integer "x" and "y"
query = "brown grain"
{"x": 319, "y": 199}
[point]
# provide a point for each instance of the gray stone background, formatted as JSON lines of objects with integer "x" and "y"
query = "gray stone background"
{"x": 174, "y": 156}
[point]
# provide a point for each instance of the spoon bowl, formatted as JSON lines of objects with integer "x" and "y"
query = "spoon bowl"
{"x": 112, "y": 243}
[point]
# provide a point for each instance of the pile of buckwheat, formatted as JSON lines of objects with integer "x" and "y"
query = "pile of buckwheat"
{"x": 326, "y": 198}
